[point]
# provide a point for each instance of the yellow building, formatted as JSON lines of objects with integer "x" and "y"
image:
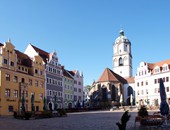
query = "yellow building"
{"x": 20, "y": 77}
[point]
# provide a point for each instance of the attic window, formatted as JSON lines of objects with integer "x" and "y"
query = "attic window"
{"x": 157, "y": 70}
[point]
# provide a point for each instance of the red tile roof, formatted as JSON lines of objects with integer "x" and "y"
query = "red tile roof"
{"x": 42, "y": 53}
{"x": 109, "y": 76}
{"x": 130, "y": 80}
{"x": 151, "y": 66}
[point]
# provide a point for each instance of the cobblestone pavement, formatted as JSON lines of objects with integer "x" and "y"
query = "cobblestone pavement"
{"x": 98, "y": 120}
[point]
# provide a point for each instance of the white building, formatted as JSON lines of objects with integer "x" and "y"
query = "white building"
{"x": 78, "y": 87}
{"x": 147, "y": 82}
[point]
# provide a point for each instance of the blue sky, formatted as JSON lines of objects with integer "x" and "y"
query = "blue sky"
{"x": 83, "y": 31}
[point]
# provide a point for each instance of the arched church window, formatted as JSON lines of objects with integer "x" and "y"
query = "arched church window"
{"x": 120, "y": 61}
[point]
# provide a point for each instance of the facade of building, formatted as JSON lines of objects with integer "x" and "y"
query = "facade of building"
{"x": 78, "y": 88}
{"x": 107, "y": 90}
{"x": 53, "y": 76}
{"x": 147, "y": 82}
{"x": 86, "y": 97}
{"x": 68, "y": 89}
{"x": 20, "y": 77}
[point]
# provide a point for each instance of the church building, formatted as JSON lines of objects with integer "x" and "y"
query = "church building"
{"x": 114, "y": 84}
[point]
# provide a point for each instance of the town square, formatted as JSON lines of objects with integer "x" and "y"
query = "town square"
{"x": 84, "y": 65}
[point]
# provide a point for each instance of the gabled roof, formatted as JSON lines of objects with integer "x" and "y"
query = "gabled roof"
{"x": 24, "y": 59}
{"x": 130, "y": 80}
{"x": 72, "y": 73}
{"x": 151, "y": 66}
{"x": 66, "y": 73}
{"x": 42, "y": 53}
{"x": 109, "y": 76}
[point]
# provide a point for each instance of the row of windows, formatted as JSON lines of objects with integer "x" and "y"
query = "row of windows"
{"x": 15, "y": 79}
{"x": 53, "y": 70}
{"x": 156, "y": 90}
{"x": 22, "y": 69}
{"x": 68, "y": 87}
{"x": 164, "y": 68}
{"x": 68, "y": 96}
{"x": 6, "y": 62}
{"x": 16, "y": 94}
{"x": 53, "y": 93}
{"x": 79, "y": 90}
{"x": 165, "y": 79}
{"x": 142, "y": 83}
{"x": 40, "y": 72}
{"x": 54, "y": 82}
{"x": 79, "y": 83}
{"x": 68, "y": 80}
{"x": 76, "y": 98}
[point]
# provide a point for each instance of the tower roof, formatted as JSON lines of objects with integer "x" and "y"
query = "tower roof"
{"x": 122, "y": 38}
{"x": 109, "y": 76}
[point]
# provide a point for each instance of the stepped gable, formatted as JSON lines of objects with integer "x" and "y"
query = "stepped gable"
{"x": 24, "y": 59}
{"x": 109, "y": 76}
{"x": 42, "y": 53}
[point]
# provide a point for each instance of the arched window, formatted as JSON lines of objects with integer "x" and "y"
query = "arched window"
{"x": 120, "y": 61}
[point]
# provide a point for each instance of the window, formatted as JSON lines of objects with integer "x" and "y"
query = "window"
{"x": 138, "y": 84}
{"x": 41, "y": 84}
{"x": 7, "y": 93}
{"x": 141, "y": 92}
{"x": 142, "y": 83}
{"x": 5, "y": 61}
{"x": 155, "y": 90}
{"x": 36, "y": 83}
{"x": 79, "y": 90}
{"x": 36, "y": 71}
{"x": 15, "y": 79}
{"x": 7, "y": 77}
{"x": 167, "y": 79}
{"x": 26, "y": 93}
{"x": 41, "y": 96}
{"x": 10, "y": 108}
{"x": 146, "y": 82}
{"x": 75, "y": 98}
{"x": 75, "y": 82}
{"x": 30, "y": 82}
{"x": 155, "y": 81}
{"x": 12, "y": 63}
{"x": 15, "y": 93}
{"x": 79, "y": 83}
{"x": 41, "y": 72}
{"x": 167, "y": 89}
{"x": 120, "y": 61}
{"x": 23, "y": 80}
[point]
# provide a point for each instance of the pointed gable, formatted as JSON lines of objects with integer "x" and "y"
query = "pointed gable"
{"x": 109, "y": 76}
{"x": 42, "y": 53}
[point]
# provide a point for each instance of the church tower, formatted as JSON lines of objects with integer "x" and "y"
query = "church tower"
{"x": 122, "y": 58}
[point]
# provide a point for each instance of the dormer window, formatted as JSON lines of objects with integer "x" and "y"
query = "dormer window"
{"x": 157, "y": 70}
{"x": 165, "y": 67}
